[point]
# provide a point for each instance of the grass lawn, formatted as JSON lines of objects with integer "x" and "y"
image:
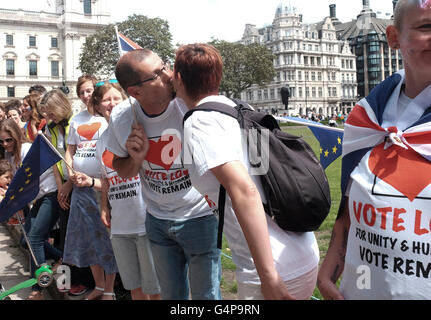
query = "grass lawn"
{"x": 323, "y": 235}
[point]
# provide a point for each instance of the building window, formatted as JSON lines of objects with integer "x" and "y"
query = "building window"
{"x": 10, "y": 67}
{"x": 32, "y": 41}
{"x": 54, "y": 43}
{"x": 9, "y": 40}
{"x": 10, "y": 92}
{"x": 87, "y": 6}
{"x": 320, "y": 92}
{"x": 33, "y": 67}
{"x": 54, "y": 69}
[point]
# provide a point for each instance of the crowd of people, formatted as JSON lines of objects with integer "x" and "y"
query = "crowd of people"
{"x": 126, "y": 199}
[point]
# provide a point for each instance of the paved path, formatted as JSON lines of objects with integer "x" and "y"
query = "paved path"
{"x": 13, "y": 265}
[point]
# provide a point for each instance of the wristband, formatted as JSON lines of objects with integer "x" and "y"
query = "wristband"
{"x": 92, "y": 183}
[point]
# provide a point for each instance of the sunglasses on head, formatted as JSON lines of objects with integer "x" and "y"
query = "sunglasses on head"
{"x": 8, "y": 140}
{"x": 102, "y": 83}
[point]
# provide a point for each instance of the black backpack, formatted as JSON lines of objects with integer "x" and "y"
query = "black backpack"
{"x": 295, "y": 184}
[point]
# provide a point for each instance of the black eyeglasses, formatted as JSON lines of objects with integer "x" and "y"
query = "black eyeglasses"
{"x": 166, "y": 66}
{"x": 8, "y": 140}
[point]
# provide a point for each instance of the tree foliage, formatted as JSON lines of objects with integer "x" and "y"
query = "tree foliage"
{"x": 244, "y": 65}
{"x": 100, "y": 51}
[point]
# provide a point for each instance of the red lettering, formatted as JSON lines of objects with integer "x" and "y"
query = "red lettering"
{"x": 384, "y": 212}
{"x": 357, "y": 211}
{"x": 418, "y": 230}
{"x": 372, "y": 222}
{"x": 397, "y": 220}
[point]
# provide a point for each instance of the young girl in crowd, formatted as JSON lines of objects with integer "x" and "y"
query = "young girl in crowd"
{"x": 35, "y": 121}
{"x": 87, "y": 240}
{"x": 44, "y": 212}
{"x": 6, "y": 177}
{"x": 13, "y": 112}
{"x": 126, "y": 218}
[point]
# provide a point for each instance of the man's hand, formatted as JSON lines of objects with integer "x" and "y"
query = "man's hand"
{"x": 137, "y": 144}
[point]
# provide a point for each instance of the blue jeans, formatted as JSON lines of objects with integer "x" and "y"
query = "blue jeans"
{"x": 39, "y": 222}
{"x": 186, "y": 248}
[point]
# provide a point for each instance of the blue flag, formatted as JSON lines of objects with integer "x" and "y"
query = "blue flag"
{"x": 330, "y": 139}
{"x": 331, "y": 144}
{"x": 25, "y": 184}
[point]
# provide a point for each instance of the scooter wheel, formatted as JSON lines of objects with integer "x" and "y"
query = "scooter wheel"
{"x": 45, "y": 279}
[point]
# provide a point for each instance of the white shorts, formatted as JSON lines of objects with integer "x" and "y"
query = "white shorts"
{"x": 135, "y": 263}
{"x": 300, "y": 288}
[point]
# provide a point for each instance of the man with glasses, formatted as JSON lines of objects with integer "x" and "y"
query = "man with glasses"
{"x": 180, "y": 225}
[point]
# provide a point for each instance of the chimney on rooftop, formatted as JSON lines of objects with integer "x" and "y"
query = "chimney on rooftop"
{"x": 333, "y": 10}
{"x": 366, "y": 4}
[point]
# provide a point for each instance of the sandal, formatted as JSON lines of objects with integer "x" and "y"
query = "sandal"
{"x": 98, "y": 296}
{"x": 111, "y": 294}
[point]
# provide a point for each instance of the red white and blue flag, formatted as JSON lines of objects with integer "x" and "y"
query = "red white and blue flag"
{"x": 125, "y": 44}
{"x": 364, "y": 131}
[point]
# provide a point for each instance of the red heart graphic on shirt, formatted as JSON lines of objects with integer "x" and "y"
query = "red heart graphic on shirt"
{"x": 164, "y": 151}
{"x": 88, "y": 131}
{"x": 108, "y": 158}
{"x": 405, "y": 170}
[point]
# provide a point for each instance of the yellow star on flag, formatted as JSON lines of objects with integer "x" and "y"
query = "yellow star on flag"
{"x": 339, "y": 140}
{"x": 27, "y": 182}
{"x": 30, "y": 174}
{"x": 21, "y": 190}
{"x": 13, "y": 197}
{"x": 27, "y": 169}
{"x": 334, "y": 150}
{"x": 321, "y": 150}
{"x": 326, "y": 153}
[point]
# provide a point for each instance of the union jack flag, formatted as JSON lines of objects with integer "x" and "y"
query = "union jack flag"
{"x": 125, "y": 44}
{"x": 364, "y": 131}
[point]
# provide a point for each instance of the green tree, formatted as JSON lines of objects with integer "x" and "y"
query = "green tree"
{"x": 244, "y": 65}
{"x": 100, "y": 51}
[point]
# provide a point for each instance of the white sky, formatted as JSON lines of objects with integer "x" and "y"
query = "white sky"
{"x": 200, "y": 20}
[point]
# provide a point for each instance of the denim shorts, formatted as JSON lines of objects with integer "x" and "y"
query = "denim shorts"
{"x": 135, "y": 262}
{"x": 185, "y": 252}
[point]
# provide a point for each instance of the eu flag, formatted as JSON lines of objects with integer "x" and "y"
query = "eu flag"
{"x": 25, "y": 184}
{"x": 331, "y": 143}
{"x": 330, "y": 139}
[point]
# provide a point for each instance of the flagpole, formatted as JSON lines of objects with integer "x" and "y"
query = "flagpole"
{"x": 308, "y": 124}
{"x": 118, "y": 40}
{"x": 55, "y": 150}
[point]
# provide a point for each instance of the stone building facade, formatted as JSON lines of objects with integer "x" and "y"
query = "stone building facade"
{"x": 318, "y": 69}
{"x": 44, "y": 48}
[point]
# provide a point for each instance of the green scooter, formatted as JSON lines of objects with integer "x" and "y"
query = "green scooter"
{"x": 43, "y": 275}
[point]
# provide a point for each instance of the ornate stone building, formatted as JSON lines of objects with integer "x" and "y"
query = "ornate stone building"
{"x": 44, "y": 48}
{"x": 319, "y": 69}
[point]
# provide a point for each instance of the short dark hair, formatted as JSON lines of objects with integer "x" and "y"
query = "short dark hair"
{"x": 38, "y": 89}
{"x": 125, "y": 73}
{"x": 201, "y": 68}
{"x": 13, "y": 104}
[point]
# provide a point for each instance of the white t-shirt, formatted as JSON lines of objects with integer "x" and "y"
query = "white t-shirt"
{"x": 85, "y": 130}
{"x": 215, "y": 139}
{"x": 388, "y": 249}
{"x": 47, "y": 182}
{"x": 125, "y": 196}
{"x": 166, "y": 184}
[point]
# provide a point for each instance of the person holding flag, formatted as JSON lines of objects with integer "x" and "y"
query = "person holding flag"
{"x": 44, "y": 212}
{"x": 384, "y": 218}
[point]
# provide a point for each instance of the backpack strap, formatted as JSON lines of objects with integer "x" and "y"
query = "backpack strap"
{"x": 213, "y": 106}
{"x": 234, "y": 113}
